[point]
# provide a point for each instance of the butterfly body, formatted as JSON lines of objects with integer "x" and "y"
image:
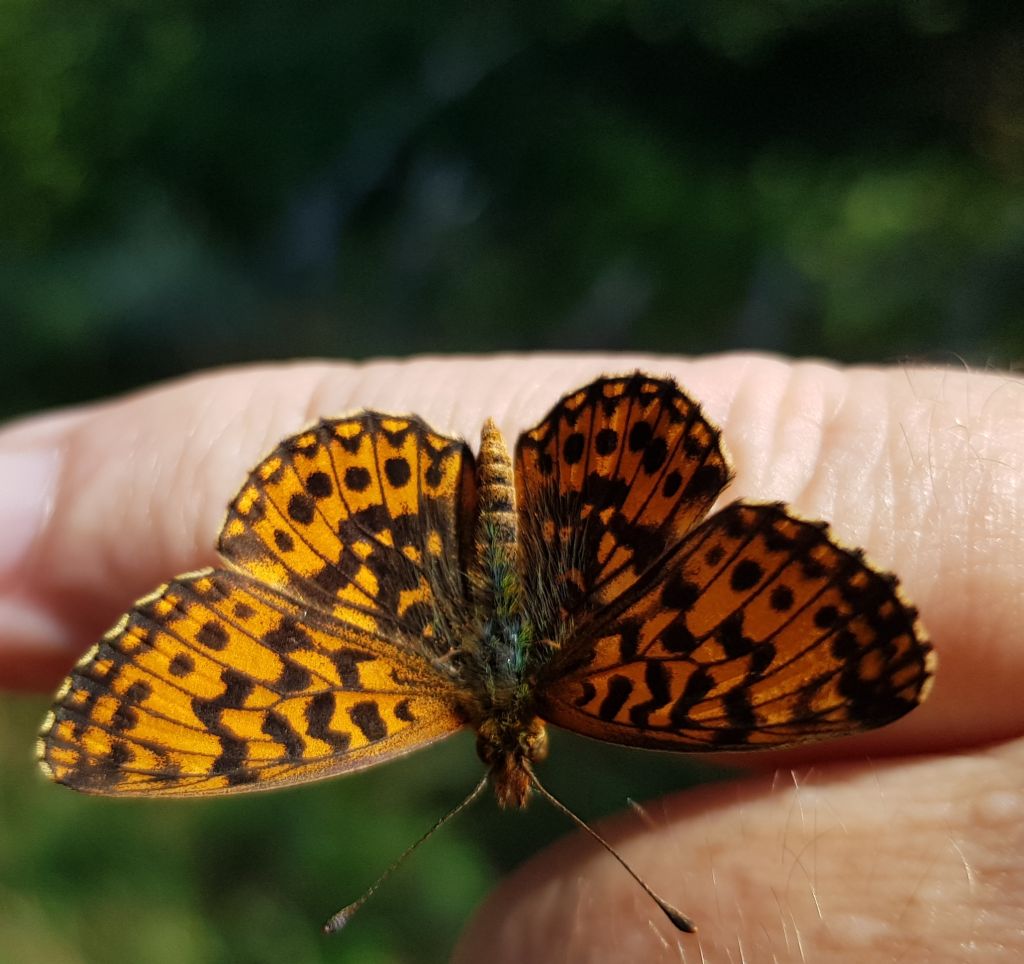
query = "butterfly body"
{"x": 501, "y": 656}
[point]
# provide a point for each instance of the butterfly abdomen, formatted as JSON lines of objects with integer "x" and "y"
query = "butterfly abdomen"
{"x": 496, "y": 579}
{"x": 497, "y": 526}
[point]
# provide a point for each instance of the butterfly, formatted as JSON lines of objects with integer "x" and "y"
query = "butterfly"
{"x": 384, "y": 589}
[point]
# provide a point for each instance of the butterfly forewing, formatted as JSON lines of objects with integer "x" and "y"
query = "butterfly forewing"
{"x": 217, "y": 683}
{"x": 760, "y": 631}
{"x": 367, "y": 518}
{"x": 608, "y": 484}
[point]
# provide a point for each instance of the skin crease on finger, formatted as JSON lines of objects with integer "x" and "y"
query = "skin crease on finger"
{"x": 922, "y": 467}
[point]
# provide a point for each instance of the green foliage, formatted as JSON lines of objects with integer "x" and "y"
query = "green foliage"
{"x": 188, "y": 184}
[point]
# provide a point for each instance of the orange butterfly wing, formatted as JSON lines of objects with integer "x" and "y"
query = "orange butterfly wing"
{"x": 608, "y": 484}
{"x": 217, "y": 683}
{"x": 367, "y": 518}
{"x": 324, "y": 654}
{"x": 761, "y": 632}
{"x": 751, "y": 629}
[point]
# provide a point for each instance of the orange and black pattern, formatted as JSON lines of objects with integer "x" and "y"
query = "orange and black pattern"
{"x": 218, "y": 683}
{"x": 380, "y": 596}
{"x": 609, "y": 483}
{"x": 760, "y": 631}
{"x": 365, "y": 518}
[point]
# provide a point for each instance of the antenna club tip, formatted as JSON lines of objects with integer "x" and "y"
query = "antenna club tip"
{"x": 339, "y": 920}
{"x": 679, "y": 919}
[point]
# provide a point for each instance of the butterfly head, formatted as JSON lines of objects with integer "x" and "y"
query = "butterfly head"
{"x": 509, "y": 750}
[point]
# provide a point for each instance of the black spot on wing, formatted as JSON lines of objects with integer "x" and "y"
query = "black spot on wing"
{"x": 237, "y": 689}
{"x": 181, "y": 665}
{"x": 606, "y": 441}
{"x": 732, "y": 638}
{"x": 300, "y": 508}
{"x": 123, "y": 718}
{"x": 138, "y": 691}
{"x": 738, "y": 709}
{"x": 120, "y": 755}
{"x": 745, "y": 575}
{"x": 213, "y": 635}
{"x": 679, "y": 593}
{"x": 619, "y": 690}
{"x": 283, "y": 540}
{"x": 287, "y": 637}
{"x": 697, "y": 687}
{"x": 657, "y": 679}
{"x": 347, "y": 661}
{"x": 677, "y": 638}
{"x": 654, "y": 456}
{"x": 781, "y": 598}
{"x": 357, "y": 478}
{"x": 587, "y": 693}
{"x": 294, "y": 678}
{"x": 367, "y": 718}
{"x": 640, "y": 436}
{"x": 319, "y": 714}
{"x": 629, "y": 640}
{"x": 844, "y": 645}
{"x": 572, "y": 451}
{"x": 762, "y": 657}
{"x": 826, "y": 617}
{"x": 319, "y": 485}
{"x": 231, "y": 762}
{"x": 714, "y": 555}
{"x": 397, "y": 471}
{"x": 281, "y": 731}
{"x": 707, "y": 481}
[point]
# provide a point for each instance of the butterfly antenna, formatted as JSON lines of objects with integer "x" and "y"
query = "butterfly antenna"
{"x": 339, "y": 920}
{"x": 678, "y": 919}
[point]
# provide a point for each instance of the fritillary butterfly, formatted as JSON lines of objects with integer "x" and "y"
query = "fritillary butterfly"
{"x": 384, "y": 590}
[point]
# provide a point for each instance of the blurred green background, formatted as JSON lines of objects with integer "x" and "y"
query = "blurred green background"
{"x": 188, "y": 184}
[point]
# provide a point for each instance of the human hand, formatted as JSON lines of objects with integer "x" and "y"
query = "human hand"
{"x": 912, "y": 858}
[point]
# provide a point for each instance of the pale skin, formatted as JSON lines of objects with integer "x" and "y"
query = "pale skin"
{"x": 904, "y": 844}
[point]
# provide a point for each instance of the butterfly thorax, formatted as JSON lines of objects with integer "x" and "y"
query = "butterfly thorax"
{"x": 501, "y": 658}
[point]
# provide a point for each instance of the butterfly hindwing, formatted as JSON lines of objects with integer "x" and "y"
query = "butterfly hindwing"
{"x": 217, "y": 683}
{"x": 760, "y": 631}
{"x": 608, "y": 484}
{"x": 368, "y": 518}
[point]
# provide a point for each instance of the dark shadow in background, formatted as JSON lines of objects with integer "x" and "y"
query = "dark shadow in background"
{"x": 189, "y": 187}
